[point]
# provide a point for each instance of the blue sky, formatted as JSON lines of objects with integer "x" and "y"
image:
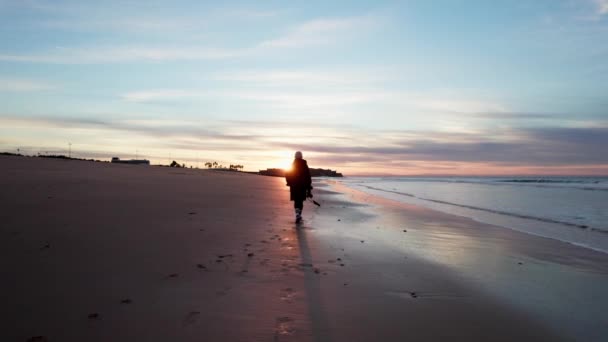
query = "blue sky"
{"x": 365, "y": 87}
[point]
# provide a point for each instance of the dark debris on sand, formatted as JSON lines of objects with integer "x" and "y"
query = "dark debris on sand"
{"x": 37, "y": 339}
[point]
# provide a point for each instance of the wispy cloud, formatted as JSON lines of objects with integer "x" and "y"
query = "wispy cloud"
{"x": 133, "y": 18}
{"x": 23, "y": 85}
{"x": 321, "y": 31}
{"x": 311, "y": 33}
{"x": 95, "y": 55}
{"x": 160, "y": 95}
{"x": 307, "y": 78}
{"x": 602, "y": 6}
{"x": 521, "y": 146}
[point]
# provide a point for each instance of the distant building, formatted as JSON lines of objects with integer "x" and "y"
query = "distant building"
{"x": 313, "y": 173}
{"x": 117, "y": 160}
{"x": 273, "y": 172}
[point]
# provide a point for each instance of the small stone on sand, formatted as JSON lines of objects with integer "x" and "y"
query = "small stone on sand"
{"x": 37, "y": 339}
{"x": 94, "y": 315}
{"x": 250, "y": 255}
{"x": 126, "y": 301}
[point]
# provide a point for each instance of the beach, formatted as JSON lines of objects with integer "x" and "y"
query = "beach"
{"x": 105, "y": 252}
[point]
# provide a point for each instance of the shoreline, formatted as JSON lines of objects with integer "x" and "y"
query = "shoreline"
{"x": 564, "y": 282}
{"x": 581, "y": 235}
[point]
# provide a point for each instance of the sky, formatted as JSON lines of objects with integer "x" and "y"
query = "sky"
{"x": 423, "y": 87}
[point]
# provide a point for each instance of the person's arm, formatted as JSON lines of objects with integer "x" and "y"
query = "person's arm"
{"x": 308, "y": 180}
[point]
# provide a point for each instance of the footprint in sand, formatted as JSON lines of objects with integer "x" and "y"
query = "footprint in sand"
{"x": 284, "y": 327}
{"x": 224, "y": 291}
{"x": 191, "y": 318}
{"x": 287, "y": 295}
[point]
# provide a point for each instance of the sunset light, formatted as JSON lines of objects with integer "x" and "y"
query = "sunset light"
{"x": 438, "y": 95}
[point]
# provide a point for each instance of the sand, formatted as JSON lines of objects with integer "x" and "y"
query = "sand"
{"x": 103, "y": 252}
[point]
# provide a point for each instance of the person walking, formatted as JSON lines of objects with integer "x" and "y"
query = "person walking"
{"x": 300, "y": 184}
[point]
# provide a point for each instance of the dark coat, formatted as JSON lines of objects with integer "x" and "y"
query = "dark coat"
{"x": 298, "y": 180}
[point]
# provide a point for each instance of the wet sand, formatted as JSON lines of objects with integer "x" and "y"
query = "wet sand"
{"x": 102, "y": 252}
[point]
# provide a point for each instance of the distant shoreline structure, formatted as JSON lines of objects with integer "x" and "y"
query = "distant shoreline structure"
{"x": 274, "y": 172}
{"x": 116, "y": 160}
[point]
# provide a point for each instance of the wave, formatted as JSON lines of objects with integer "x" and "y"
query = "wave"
{"x": 592, "y": 184}
{"x": 493, "y": 211}
{"x": 547, "y": 181}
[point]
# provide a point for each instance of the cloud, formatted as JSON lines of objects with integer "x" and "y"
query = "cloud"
{"x": 314, "y": 32}
{"x": 160, "y": 95}
{"x": 322, "y": 93}
{"x": 95, "y": 55}
{"x": 273, "y": 98}
{"x": 130, "y": 17}
{"x": 320, "y": 32}
{"x": 306, "y": 78}
{"x": 540, "y": 146}
{"x": 23, "y": 85}
{"x": 602, "y": 6}
{"x": 505, "y": 115}
{"x": 347, "y": 148}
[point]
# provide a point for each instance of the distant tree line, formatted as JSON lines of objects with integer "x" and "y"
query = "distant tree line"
{"x": 216, "y": 165}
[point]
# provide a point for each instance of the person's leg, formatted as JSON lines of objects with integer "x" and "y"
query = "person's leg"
{"x": 298, "y": 205}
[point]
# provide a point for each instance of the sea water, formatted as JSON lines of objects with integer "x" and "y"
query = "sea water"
{"x": 571, "y": 209}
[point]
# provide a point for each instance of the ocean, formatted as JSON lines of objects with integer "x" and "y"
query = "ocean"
{"x": 570, "y": 209}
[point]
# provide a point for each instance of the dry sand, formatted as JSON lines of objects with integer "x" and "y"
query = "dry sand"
{"x": 102, "y": 252}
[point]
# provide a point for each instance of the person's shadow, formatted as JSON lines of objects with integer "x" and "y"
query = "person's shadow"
{"x": 312, "y": 285}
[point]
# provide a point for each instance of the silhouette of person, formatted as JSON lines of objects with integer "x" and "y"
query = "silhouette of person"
{"x": 300, "y": 184}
